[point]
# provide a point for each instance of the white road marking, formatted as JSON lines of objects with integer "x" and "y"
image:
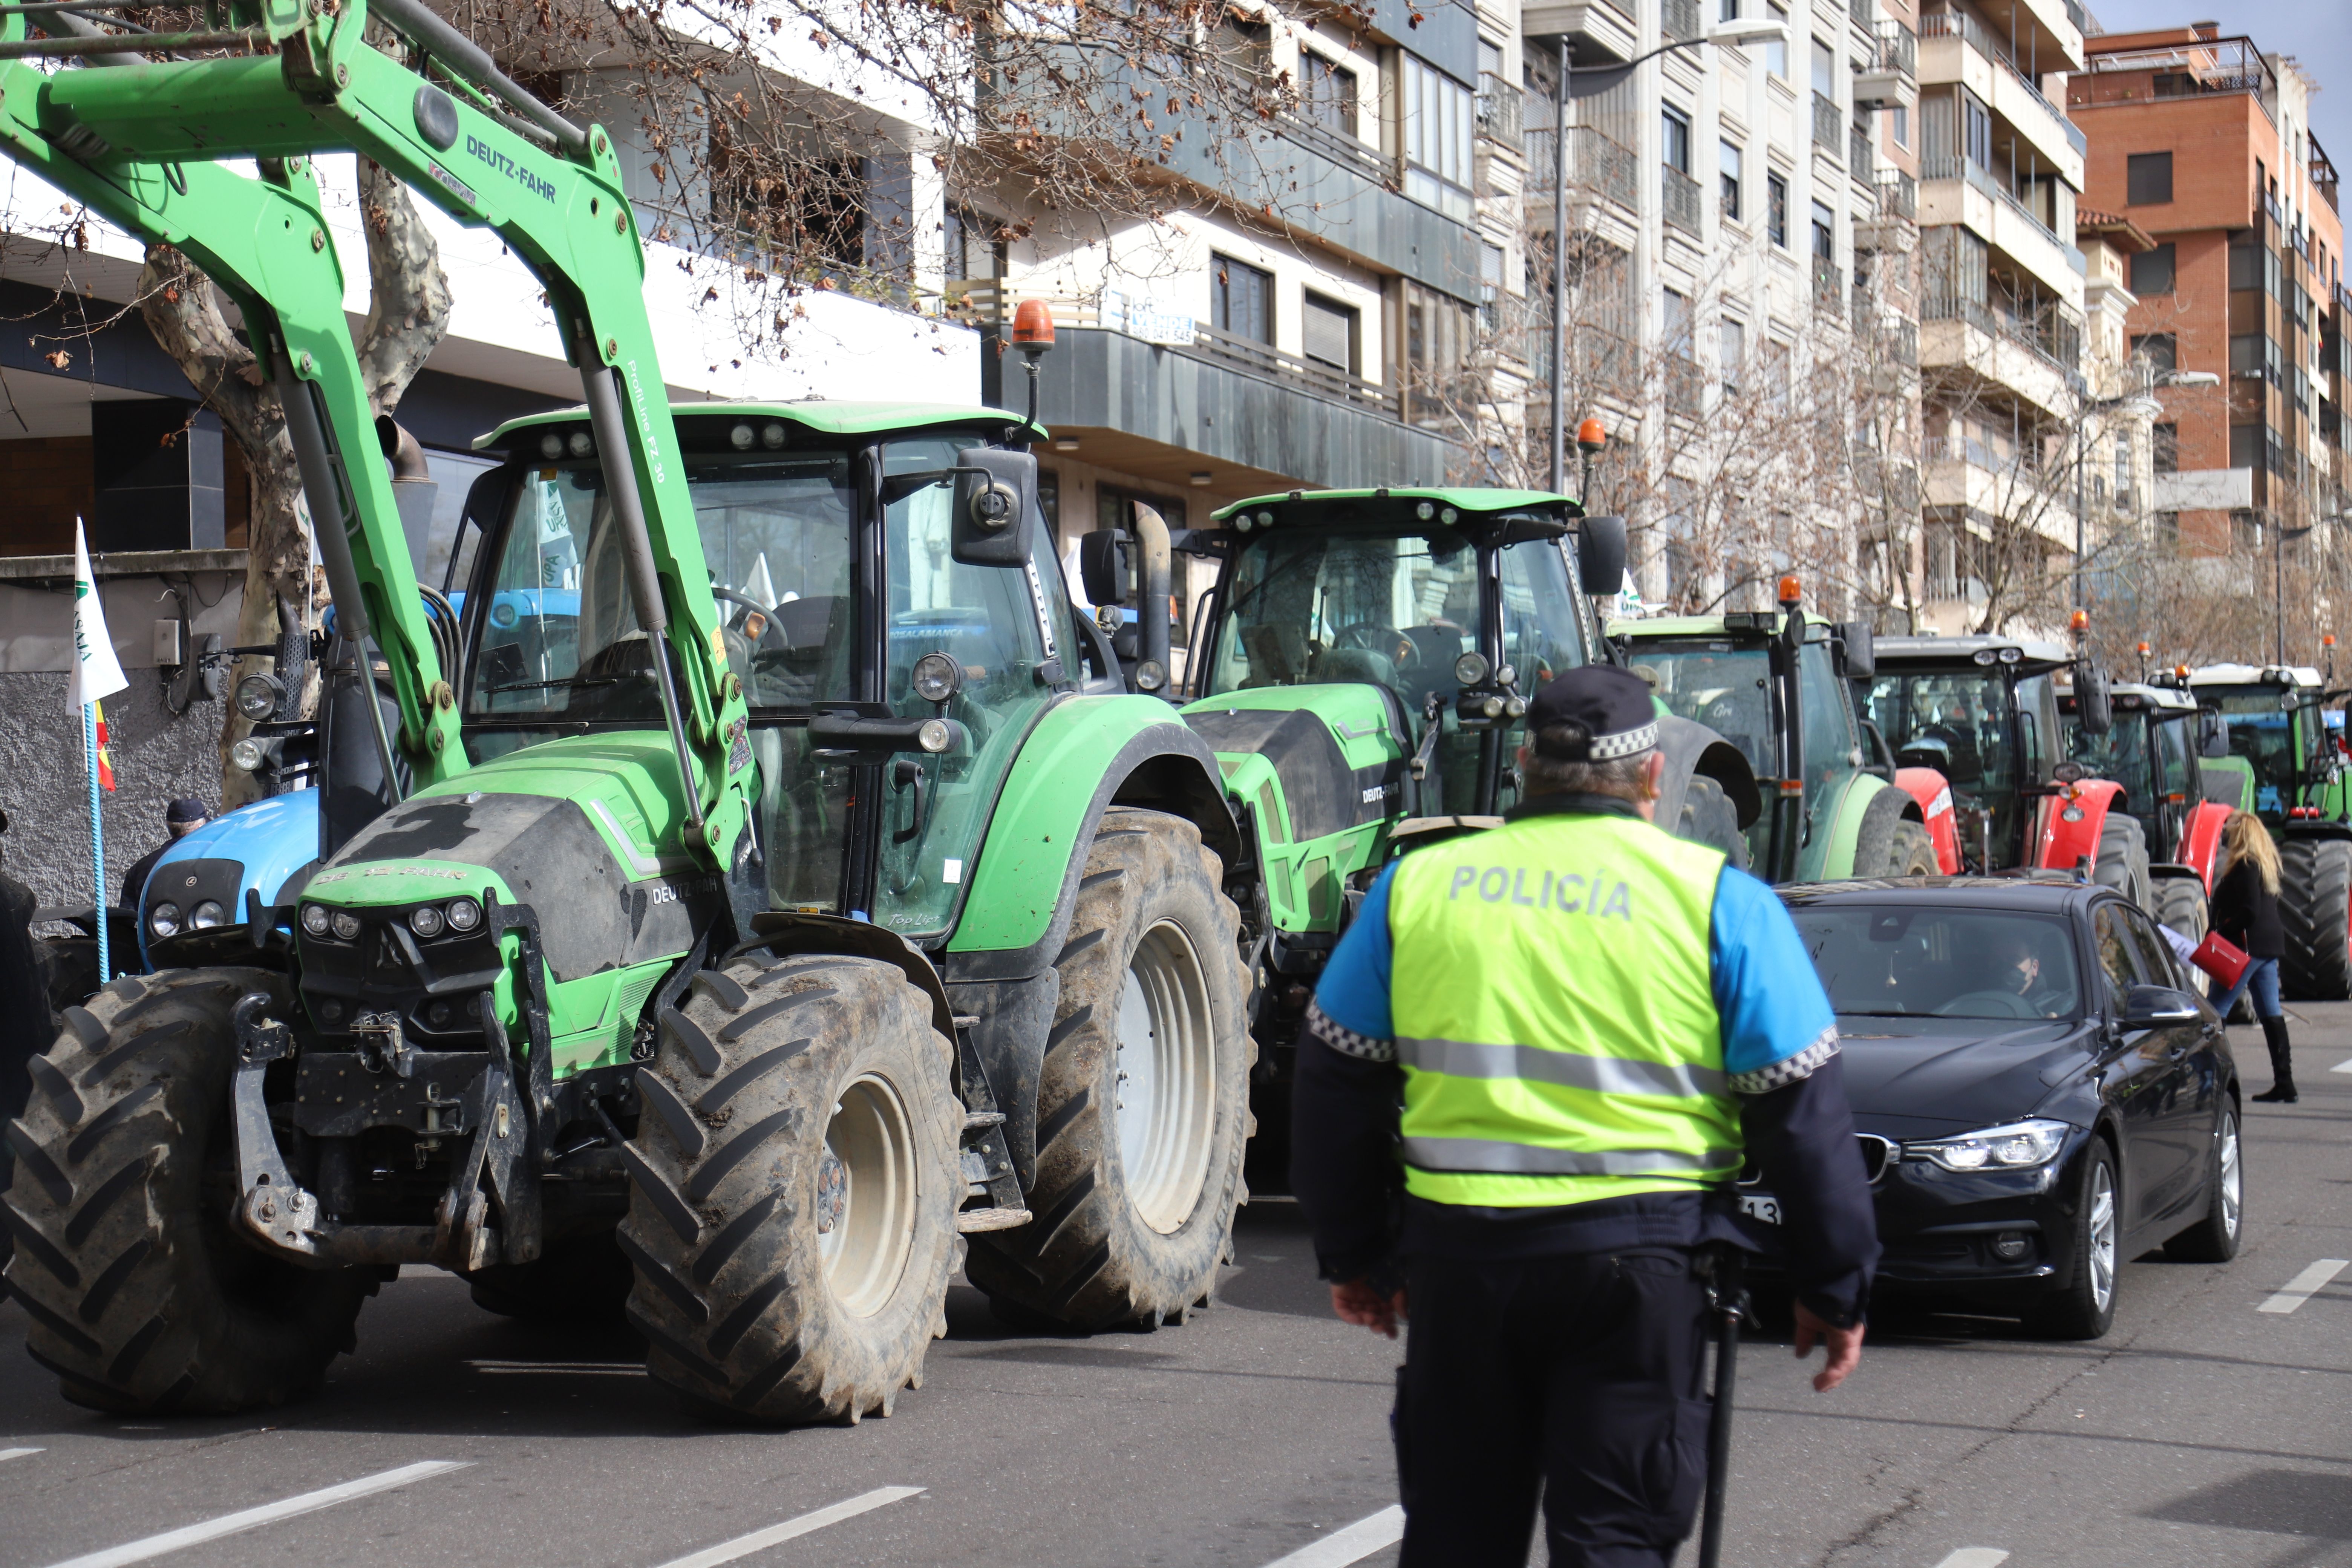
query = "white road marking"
{"x": 1353, "y": 1544}
{"x": 759, "y": 1539}
{"x": 268, "y": 1513}
{"x": 7, "y": 1454}
{"x": 1975, "y": 1557}
{"x": 2306, "y": 1285}
{"x": 581, "y": 1368}
{"x": 2344, "y": 1065}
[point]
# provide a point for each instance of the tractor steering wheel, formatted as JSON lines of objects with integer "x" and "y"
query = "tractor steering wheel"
{"x": 770, "y": 634}
{"x": 1371, "y": 636}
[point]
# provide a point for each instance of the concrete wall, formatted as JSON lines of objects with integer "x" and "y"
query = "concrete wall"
{"x": 157, "y": 757}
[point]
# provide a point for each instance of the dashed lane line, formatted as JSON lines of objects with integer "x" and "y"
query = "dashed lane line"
{"x": 268, "y": 1513}
{"x": 1975, "y": 1557}
{"x": 2344, "y": 1065}
{"x": 759, "y": 1540}
{"x": 2306, "y": 1285}
{"x": 1352, "y": 1544}
{"x": 8, "y": 1453}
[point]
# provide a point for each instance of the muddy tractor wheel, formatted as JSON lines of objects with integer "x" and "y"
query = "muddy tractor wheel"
{"x": 2316, "y": 906}
{"x": 1142, "y": 1110}
{"x": 793, "y": 1186}
{"x": 1708, "y": 818}
{"x": 141, "y": 1299}
{"x": 2181, "y": 904}
{"x": 1889, "y": 844}
{"x": 2123, "y": 859}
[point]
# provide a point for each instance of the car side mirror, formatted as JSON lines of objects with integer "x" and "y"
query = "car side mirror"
{"x": 1106, "y": 566}
{"x": 995, "y": 493}
{"x": 2158, "y": 1006}
{"x": 1601, "y": 554}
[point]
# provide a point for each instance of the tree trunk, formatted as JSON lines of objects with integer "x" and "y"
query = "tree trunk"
{"x": 408, "y": 313}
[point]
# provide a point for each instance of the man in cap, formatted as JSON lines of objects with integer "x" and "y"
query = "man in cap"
{"x": 1586, "y": 1023}
{"x": 181, "y": 818}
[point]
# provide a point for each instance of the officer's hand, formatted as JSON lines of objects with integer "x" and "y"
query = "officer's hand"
{"x": 1844, "y": 1347}
{"x": 1356, "y": 1302}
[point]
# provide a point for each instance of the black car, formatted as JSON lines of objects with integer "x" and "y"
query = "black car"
{"x": 2040, "y": 1090}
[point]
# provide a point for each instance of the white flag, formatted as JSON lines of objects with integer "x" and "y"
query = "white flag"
{"x": 96, "y": 671}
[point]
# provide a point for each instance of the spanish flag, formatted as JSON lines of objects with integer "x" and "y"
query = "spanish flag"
{"x": 105, "y": 758}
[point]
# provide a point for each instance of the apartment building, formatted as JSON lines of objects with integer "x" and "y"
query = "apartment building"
{"x": 2202, "y": 138}
{"x": 2001, "y": 310}
{"x": 1740, "y": 220}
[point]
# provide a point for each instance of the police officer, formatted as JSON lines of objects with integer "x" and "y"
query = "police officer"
{"x": 1586, "y": 1022}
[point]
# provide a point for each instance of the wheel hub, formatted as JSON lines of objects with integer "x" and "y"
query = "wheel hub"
{"x": 1166, "y": 1077}
{"x": 864, "y": 1200}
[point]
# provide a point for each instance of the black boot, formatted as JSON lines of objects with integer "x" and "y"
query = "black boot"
{"x": 2282, "y": 1089}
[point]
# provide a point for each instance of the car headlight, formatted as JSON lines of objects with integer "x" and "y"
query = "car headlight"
{"x": 2017, "y": 1146}
{"x": 206, "y": 916}
{"x": 164, "y": 920}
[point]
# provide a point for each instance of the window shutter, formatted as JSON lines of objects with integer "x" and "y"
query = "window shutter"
{"x": 1328, "y": 332}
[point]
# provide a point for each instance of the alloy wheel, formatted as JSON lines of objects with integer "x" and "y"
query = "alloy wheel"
{"x": 2103, "y": 1236}
{"x": 2234, "y": 1179}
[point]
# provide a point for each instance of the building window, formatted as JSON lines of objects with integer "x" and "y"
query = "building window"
{"x": 2164, "y": 447}
{"x": 1328, "y": 334}
{"x": 1824, "y": 69}
{"x": 1439, "y": 117}
{"x": 1439, "y": 335}
{"x": 1727, "y": 11}
{"x": 1899, "y": 116}
{"x": 2167, "y": 532}
{"x": 1775, "y": 209}
{"x": 1490, "y": 286}
{"x": 1824, "y": 233}
{"x": 2161, "y": 350}
{"x": 1674, "y": 145}
{"x": 972, "y": 249}
{"x": 2245, "y": 446}
{"x": 2123, "y": 467}
{"x": 1730, "y": 159}
{"x": 2147, "y": 179}
{"x": 1776, "y": 50}
{"x": 2151, "y": 271}
{"x": 2246, "y": 354}
{"x": 1240, "y": 299}
{"x": 1327, "y": 93}
{"x": 1733, "y": 352}
{"x": 1676, "y": 338}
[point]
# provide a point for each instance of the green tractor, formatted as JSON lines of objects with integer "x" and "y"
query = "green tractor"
{"x": 1360, "y": 670}
{"x": 1776, "y": 687}
{"x": 2283, "y": 761}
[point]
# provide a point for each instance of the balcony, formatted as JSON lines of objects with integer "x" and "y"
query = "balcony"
{"x": 1680, "y": 203}
{"x": 1891, "y": 220}
{"x": 1974, "y": 342}
{"x": 1599, "y": 171}
{"x": 1858, "y": 158}
{"x": 1679, "y": 19}
{"x": 1601, "y": 32}
{"x": 1865, "y": 13}
{"x": 1892, "y": 76}
{"x": 1499, "y": 112}
{"x": 1961, "y": 191}
{"x": 1946, "y": 36}
{"x": 1828, "y": 125}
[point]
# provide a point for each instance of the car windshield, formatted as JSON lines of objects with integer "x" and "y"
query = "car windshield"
{"x": 2260, "y": 732}
{"x": 1922, "y": 960}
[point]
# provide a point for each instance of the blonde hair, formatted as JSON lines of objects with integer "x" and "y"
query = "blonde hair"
{"x": 2246, "y": 838}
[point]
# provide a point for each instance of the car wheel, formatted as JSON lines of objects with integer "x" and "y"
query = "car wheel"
{"x": 2214, "y": 1238}
{"x": 2084, "y": 1308}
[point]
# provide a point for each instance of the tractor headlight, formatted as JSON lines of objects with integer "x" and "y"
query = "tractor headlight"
{"x": 771, "y": 436}
{"x": 1424, "y": 511}
{"x": 550, "y": 446}
{"x": 246, "y": 754}
{"x": 1983, "y": 655}
{"x": 2017, "y": 1146}
{"x": 936, "y": 677}
{"x": 346, "y": 925}
{"x": 164, "y": 920}
{"x": 579, "y": 445}
{"x": 425, "y": 919}
{"x": 936, "y": 735}
{"x": 256, "y": 696}
{"x": 464, "y": 914}
{"x": 314, "y": 919}
{"x": 740, "y": 438}
{"x": 1470, "y": 669}
{"x": 207, "y": 915}
{"x": 1492, "y": 707}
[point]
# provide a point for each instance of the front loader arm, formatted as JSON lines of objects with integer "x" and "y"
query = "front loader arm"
{"x": 265, "y": 242}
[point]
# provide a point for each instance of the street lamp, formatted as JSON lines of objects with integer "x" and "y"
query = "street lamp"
{"x": 1591, "y": 81}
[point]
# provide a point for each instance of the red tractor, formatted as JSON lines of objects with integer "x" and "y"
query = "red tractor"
{"x": 2152, "y": 754}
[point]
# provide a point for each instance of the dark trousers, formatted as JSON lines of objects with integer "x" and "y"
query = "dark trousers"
{"x": 1579, "y": 1375}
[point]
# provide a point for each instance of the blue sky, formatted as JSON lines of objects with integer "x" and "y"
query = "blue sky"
{"x": 2316, "y": 32}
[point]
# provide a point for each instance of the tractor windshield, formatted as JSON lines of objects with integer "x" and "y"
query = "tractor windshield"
{"x": 2262, "y": 731}
{"x": 2123, "y": 754}
{"x": 1327, "y": 605}
{"x": 1720, "y": 684}
{"x": 1960, "y": 723}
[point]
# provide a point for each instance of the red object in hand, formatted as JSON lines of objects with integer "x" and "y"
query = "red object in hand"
{"x": 2221, "y": 958}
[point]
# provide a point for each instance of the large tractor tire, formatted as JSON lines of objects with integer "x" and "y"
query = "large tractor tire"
{"x": 1708, "y": 818}
{"x": 795, "y": 1181}
{"x": 2123, "y": 860}
{"x": 142, "y": 1299}
{"x": 2316, "y": 906}
{"x": 2181, "y": 904}
{"x": 1143, "y": 1112}
{"x": 1889, "y": 844}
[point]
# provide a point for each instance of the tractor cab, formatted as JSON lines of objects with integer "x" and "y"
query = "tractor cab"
{"x": 1983, "y": 712}
{"x": 2279, "y": 744}
{"x": 2151, "y": 754}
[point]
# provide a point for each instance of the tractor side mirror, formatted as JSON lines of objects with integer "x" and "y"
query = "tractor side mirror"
{"x": 2212, "y": 734}
{"x": 1861, "y": 649}
{"x": 1601, "y": 554}
{"x": 2094, "y": 710}
{"x": 1106, "y": 566}
{"x": 995, "y": 493}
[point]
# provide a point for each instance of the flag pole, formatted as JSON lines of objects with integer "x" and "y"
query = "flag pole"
{"x": 97, "y": 835}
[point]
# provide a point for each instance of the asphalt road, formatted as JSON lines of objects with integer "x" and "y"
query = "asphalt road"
{"x": 2203, "y": 1430}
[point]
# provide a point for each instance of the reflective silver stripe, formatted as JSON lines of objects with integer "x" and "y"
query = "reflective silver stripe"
{"x": 1607, "y": 1074}
{"x": 1487, "y": 1156}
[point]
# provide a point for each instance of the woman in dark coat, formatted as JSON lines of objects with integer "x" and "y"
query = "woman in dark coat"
{"x": 2246, "y": 912}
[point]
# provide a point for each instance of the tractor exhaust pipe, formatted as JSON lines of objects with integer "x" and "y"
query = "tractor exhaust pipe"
{"x": 1152, "y": 614}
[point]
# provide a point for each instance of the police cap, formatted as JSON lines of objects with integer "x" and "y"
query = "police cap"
{"x": 1594, "y": 714}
